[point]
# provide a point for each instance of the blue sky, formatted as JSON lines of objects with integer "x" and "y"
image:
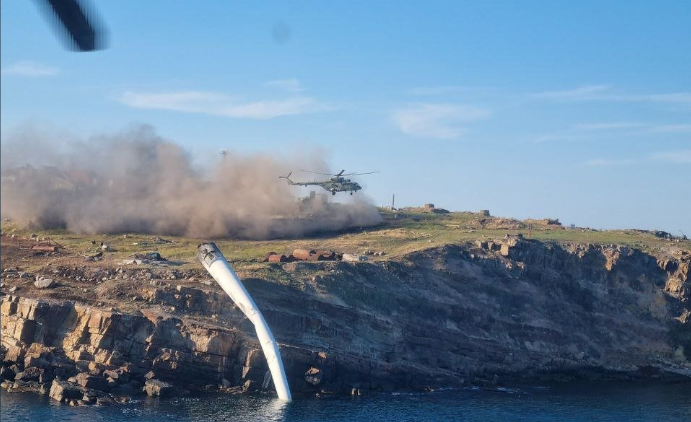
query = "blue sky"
{"x": 576, "y": 110}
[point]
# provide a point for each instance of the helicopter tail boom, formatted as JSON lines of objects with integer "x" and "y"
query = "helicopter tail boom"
{"x": 290, "y": 182}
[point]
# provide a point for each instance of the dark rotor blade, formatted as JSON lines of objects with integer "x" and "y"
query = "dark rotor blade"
{"x": 80, "y": 27}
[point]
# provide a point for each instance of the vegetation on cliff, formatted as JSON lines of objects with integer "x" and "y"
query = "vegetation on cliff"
{"x": 443, "y": 300}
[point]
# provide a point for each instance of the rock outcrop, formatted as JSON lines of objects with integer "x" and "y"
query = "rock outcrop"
{"x": 157, "y": 388}
{"x": 492, "y": 312}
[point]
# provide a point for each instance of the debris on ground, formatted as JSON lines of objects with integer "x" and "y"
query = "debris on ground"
{"x": 373, "y": 253}
{"x": 148, "y": 258}
{"x": 349, "y": 257}
{"x": 44, "y": 248}
{"x": 323, "y": 256}
{"x": 94, "y": 257}
{"x": 302, "y": 255}
{"x": 319, "y": 256}
{"x": 277, "y": 258}
{"x": 160, "y": 241}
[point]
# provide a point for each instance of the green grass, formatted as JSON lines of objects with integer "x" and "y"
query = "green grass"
{"x": 407, "y": 232}
{"x": 457, "y": 227}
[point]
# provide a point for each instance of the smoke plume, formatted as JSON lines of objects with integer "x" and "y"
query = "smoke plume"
{"x": 137, "y": 181}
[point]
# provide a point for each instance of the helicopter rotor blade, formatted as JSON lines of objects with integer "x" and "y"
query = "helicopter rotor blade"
{"x": 314, "y": 172}
{"x": 359, "y": 174}
{"x": 341, "y": 173}
{"x": 80, "y": 24}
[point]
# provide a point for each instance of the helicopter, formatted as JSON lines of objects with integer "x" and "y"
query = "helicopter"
{"x": 337, "y": 183}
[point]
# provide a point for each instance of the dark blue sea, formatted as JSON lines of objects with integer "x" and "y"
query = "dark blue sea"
{"x": 653, "y": 402}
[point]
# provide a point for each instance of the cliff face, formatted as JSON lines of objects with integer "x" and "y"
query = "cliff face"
{"x": 495, "y": 311}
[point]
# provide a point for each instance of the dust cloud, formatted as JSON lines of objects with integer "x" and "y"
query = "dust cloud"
{"x": 136, "y": 181}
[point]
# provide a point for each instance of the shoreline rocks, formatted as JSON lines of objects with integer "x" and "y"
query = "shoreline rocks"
{"x": 158, "y": 388}
{"x": 491, "y": 313}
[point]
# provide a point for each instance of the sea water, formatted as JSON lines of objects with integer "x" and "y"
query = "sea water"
{"x": 557, "y": 402}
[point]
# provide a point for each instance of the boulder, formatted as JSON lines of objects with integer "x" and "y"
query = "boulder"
{"x": 118, "y": 375}
{"x": 303, "y": 254}
{"x": 158, "y": 388}
{"x": 62, "y": 390}
{"x": 45, "y": 283}
{"x": 94, "y": 382}
{"x": 104, "y": 401}
{"x": 29, "y": 374}
{"x": 24, "y": 387}
{"x": 36, "y": 361}
{"x": 314, "y": 376}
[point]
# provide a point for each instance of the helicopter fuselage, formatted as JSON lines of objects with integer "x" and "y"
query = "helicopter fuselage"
{"x": 335, "y": 184}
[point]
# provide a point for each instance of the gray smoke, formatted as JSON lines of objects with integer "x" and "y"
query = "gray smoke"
{"x": 137, "y": 181}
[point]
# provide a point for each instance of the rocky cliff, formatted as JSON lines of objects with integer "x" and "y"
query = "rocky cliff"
{"x": 487, "y": 313}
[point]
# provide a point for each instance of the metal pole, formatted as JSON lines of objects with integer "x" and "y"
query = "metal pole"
{"x": 219, "y": 268}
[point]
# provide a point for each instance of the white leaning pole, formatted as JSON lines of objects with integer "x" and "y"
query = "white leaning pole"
{"x": 219, "y": 268}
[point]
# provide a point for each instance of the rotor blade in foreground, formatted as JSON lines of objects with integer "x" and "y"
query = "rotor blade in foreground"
{"x": 80, "y": 25}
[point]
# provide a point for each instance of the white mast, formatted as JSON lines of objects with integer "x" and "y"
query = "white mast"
{"x": 219, "y": 268}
